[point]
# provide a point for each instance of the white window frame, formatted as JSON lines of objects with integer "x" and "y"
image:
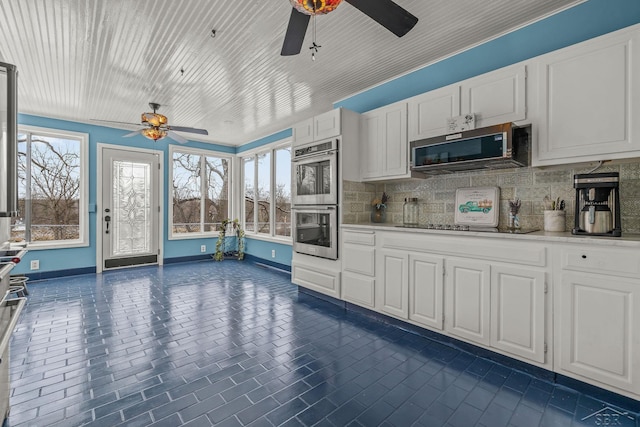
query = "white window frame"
{"x": 83, "y": 202}
{"x": 254, "y": 153}
{"x": 203, "y": 191}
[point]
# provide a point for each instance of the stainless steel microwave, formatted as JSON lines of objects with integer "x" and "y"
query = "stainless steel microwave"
{"x": 494, "y": 147}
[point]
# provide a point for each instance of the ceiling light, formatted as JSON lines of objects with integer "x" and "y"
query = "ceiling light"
{"x": 154, "y": 119}
{"x": 315, "y": 7}
{"x": 154, "y": 133}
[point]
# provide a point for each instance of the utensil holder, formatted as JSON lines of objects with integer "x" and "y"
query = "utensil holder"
{"x": 554, "y": 220}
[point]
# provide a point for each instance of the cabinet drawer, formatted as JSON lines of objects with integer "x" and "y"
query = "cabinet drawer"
{"x": 359, "y": 237}
{"x": 358, "y": 289}
{"x": 359, "y": 259}
{"x": 618, "y": 262}
{"x": 327, "y": 282}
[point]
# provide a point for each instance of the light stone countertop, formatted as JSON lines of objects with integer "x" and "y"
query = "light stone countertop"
{"x": 626, "y": 240}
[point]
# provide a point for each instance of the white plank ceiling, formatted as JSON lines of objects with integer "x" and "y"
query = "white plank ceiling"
{"x": 81, "y": 60}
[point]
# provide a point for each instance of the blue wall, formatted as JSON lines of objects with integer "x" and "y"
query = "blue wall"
{"x": 582, "y": 22}
{"x": 84, "y": 259}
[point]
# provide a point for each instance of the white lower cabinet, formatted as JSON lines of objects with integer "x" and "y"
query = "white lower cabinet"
{"x": 426, "y": 287}
{"x": 467, "y": 300}
{"x": 318, "y": 274}
{"x": 518, "y": 311}
{"x": 358, "y": 268}
{"x": 598, "y": 331}
{"x": 394, "y": 283}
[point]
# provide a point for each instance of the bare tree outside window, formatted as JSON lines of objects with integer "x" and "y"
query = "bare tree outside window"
{"x": 268, "y": 210}
{"x": 186, "y": 193}
{"x": 264, "y": 193}
{"x": 200, "y": 192}
{"x": 282, "y": 194}
{"x": 249, "y": 193}
{"x": 49, "y": 188}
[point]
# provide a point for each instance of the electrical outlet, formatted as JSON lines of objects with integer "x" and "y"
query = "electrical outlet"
{"x": 273, "y": 253}
{"x": 203, "y": 248}
{"x": 35, "y": 264}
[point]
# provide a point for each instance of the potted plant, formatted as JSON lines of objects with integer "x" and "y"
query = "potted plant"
{"x": 222, "y": 251}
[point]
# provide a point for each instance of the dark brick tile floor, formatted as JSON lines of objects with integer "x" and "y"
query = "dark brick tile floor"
{"x": 234, "y": 344}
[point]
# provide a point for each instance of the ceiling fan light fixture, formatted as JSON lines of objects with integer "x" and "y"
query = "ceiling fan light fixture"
{"x": 315, "y": 7}
{"x": 154, "y": 133}
{"x": 154, "y": 119}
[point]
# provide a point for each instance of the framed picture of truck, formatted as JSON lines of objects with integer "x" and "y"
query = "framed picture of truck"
{"x": 477, "y": 206}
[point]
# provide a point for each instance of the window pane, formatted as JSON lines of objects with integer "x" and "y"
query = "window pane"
{"x": 54, "y": 172}
{"x": 264, "y": 192}
{"x": 186, "y": 193}
{"x": 18, "y": 226}
{"x": 217, "y": 184}
{"x": 249, "y": 193}
{"x": 283, "y": 192}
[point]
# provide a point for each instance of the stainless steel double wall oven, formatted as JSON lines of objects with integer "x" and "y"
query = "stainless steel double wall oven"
{"x": 315, "y": 198}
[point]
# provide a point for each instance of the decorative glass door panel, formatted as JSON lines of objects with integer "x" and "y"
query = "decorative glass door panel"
{"x": 131, "y": 208}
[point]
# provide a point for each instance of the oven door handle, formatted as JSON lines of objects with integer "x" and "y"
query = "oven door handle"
{"x": 313, "y": 208}
{"x": 6, "y": 336}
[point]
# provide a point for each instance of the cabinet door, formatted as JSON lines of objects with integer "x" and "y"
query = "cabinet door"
{"x": 467, "y": 300}
{"x": 326, "y": 125}
{"x": 426, "y": 284}
{"x": 395, "y": 146}
{"x": 394, "y": 289}
{"x": 302, "y": 133}
{"x": 518, "y": 311}
{"x": 385, "y": 146}
{"x": 496, "y": 97}
{"x": 428, "y": 112}
{"x": 371, "y": 161}
{"x": 590, "y": 101}
{"x": 598, "y": 329}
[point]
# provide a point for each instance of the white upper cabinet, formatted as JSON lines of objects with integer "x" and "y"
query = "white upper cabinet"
{"x": 589, "y": 98}
{"x": 385, "y": 147}
{"x": 323, "y": 126}
{"x": 496, "y": 97}
{"x": 302, "y": 133}
{"x": 428, "y": 112}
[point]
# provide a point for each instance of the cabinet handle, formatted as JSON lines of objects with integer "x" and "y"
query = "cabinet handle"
{"x": 584, "y": 257}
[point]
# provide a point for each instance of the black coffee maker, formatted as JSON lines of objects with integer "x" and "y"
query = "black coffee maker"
{"x": 597, "y": 204}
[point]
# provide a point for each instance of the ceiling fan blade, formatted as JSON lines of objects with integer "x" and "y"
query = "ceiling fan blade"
{"x": 190, "y": 130}
{"x": 113, "y": 121}
{"x": 132, "y": 133}
{"x": 296, "y": 30}
{"x": 388, "y": 14}
{"x": 176, "y": 137}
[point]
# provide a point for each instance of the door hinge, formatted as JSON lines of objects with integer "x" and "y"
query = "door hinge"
{"x": 158, "y": 251}
{"x": 545, "y": 347}
{"x": 158, "y": 166}
{"x": 546, "y": 287}
{"x": 158, "y": 208}
{"x": 444, "y": 271}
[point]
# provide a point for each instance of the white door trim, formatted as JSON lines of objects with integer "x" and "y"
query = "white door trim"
{"x": 99, "y": 223}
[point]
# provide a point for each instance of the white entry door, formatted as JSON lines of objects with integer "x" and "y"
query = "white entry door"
{"x": 130, "y": 208}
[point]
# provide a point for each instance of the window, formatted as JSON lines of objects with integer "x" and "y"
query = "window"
{"x": 267, "y": 192}
{"x": 200, "y": 192}
{"x": 52, "y": 188}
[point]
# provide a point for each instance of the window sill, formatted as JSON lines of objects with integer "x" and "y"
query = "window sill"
{"x": 210, "y": 235}
{"x": 267, "y": 238}
{"x": 56, "y": 245}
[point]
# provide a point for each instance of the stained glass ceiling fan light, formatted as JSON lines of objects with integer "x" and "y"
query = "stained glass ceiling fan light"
{"x": 315, "y": 7}
{"x": 154, "y": 133}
